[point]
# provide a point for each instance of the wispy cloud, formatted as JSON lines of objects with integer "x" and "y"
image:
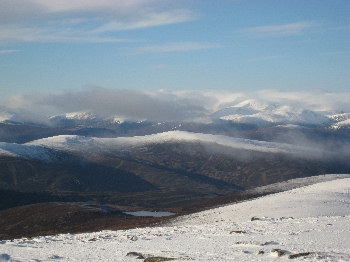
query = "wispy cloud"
{"x": 16, "y": 33}
{"x": 257, "y": 59}
{"x": 174, "y": 47}
{"x": 149, "y": 20}
{"x": 92, "y": 6}
{"x": 279, "y": 30}
{"x": 8, "y": 51}
{"x": 83, "y": 20}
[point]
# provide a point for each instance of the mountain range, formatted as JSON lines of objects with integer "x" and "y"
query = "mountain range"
{"x": 250, "y": 111}
{"x": 126, "y": 164}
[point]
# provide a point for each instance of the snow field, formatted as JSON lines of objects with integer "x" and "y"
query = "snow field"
{"x": 311, "y": 223}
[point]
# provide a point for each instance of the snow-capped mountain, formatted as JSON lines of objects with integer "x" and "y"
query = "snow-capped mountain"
{"x": 255, "y": 112}
{"x": 82, "y": 115}
{"x": 305, "y": 223}
{"x": 74, "y": 118}
{"x": 342, "y": 121}
{"x": 78, "y": 116}
{"x": 116, "y": 120}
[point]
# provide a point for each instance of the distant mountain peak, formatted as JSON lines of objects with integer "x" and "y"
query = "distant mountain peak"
{"x": 5, "y": 116}
{"x": 252, "y": 103}
{"x": 252, "y": 111}
{"x": 342, "y": 120}
{"x": 116, "y": 119}
{"x": 81, "y": 115}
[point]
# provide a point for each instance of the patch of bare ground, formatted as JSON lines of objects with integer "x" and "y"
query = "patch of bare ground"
{"x": 54, "y": 218}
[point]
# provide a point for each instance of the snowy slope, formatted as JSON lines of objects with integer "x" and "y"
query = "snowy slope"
{"x": 26, "y": 151}
{"x": 80, "y": 118}
{"x": 81, "y": 115}
{"x": 342, "y": 120}
{"x": 323, "y": 199}
{"x": 255, "y": 112}
{"x": 310, "y": 223}
{"x": 78, "y": 143}
{"x": 342, "y": 124}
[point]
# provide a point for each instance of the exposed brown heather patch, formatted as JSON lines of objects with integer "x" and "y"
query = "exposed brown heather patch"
{"x": 54, "y": 218}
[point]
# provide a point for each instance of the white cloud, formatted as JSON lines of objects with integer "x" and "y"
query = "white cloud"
{"x": 313, "y": 100}
{"x": 163, "y": 105}
{"x": 174, "y": 47}
{"x": 149, "y": 20}
{"x": 8, "y": 51}
{"x": 16, "y": 33}
{"x": 26, "y": 10}
{"x": 105, "y": 102}
{"x": 279, "y": 30}
{"x": 4, "y": 116}
{"x": 41, "y": 20}
{"x": 92, "y": 5}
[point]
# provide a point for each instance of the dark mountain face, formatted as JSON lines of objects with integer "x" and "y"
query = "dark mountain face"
{"x": 72, "y": 174}
{"x": 184, "y": 171}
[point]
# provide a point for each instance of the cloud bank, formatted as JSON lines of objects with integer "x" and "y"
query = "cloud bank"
{"x": 160, "y": 105}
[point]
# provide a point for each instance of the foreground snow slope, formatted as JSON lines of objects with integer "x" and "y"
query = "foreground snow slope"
{"x": 323, "y": 199}
{"x": 310, "y": 223}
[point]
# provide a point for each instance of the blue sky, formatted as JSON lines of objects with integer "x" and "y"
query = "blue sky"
{"x": 66, "y": 45}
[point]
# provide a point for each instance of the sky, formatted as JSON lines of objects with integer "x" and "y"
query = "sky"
{"x": 149, "y": 45}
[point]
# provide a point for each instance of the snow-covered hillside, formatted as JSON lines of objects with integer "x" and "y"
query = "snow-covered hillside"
{"x": 26, "y": 151}
{"x": 81, "y": 115}
{"x": 321, "y": 199}
{"x": 73, "y": 143}
{"x": 80, "y": 118}
{"x": 342, "y": 120}
{"x": 252, "y": 111}
{"x": 86, "y": 117}
{"x": 309, "y": 223}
